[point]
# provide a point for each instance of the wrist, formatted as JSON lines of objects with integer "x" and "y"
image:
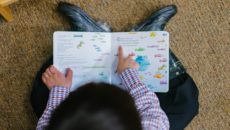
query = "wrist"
{"x": 130, "y": 77}
{"x": 57, "y": 94}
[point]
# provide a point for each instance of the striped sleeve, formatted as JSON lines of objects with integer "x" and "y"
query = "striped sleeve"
{"x": 56, "y": 96}
{"x": 147, "y": 103}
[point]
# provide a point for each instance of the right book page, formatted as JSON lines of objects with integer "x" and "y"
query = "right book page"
{"x": 151, "y": 52}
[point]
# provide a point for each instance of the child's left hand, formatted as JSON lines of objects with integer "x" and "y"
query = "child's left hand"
{"x": 52, "y": 77}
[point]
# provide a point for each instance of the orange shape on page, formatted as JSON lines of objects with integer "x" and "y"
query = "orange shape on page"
{"x": 158, "y": 76}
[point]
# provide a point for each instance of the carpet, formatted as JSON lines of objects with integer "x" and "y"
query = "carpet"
{"x": 200, "y": 37}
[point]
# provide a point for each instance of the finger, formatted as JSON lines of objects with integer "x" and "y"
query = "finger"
{"x": 135, "y": 64}
{"x": 53, "y": 69}
{"x": 132, "y": 54}
{"x": 120, "y": 53}
{"x": 130, "y": 57}
{"x": 44, "y": 79}
{"x": 45, "y": 75}
{"x": 48, "y": 72}
{"x": 69, "y": 74}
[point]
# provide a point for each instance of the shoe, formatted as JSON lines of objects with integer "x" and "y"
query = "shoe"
{"x": 157, "y": 20}
{"x": 80, "y": 20}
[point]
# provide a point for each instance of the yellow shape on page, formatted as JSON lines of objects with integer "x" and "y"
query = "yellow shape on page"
{"x": 162, "y": 67}
{"x": 141, "y": 77}
{"x": 158, "y": 76}
{"x": 152, "y": 34}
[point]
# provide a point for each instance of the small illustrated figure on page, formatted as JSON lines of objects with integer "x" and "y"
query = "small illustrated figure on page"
{"x": 80, "y": 45}
{"x": 143, "y": 62}
{"x": 152, "y": 34}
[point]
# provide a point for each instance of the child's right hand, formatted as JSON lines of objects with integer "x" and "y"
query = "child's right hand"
{"x": 52, "y": 77}
{"x": 125, "y": 63}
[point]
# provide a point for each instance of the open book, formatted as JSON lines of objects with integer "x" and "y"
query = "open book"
{"x": 93, "y": 56}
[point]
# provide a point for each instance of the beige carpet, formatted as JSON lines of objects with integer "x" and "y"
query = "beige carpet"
{"x": 200, "y": 37}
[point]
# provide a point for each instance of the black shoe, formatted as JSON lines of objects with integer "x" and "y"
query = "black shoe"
{"x": 157, "y": 20}
{"x": 80, "y": 20}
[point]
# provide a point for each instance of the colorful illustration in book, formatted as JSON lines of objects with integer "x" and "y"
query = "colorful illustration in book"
{"x": 153, "y": 46}
{"x": 158, "y": 55}
{"x": 152, "y": 34}
{"x": 80, "y": 44}
{"x": 161, "y": 49}
{"x": 98, "y": 49}
{"x": 141, "y": 77}
{"x": 163, "y": 82}
{"x": 162, "y": 67}
{"x": 150, "y": 86}
{"x": 143, "y": 62}
{"x": 158, "y": 75}
{"x": 163, "y": 60}
{"x": 139, "y": 49}
{"x": 98, "y": 37}
{"x": 103, "y": 76}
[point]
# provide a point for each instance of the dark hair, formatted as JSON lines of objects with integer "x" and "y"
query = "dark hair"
{"x": 96, "y": 106}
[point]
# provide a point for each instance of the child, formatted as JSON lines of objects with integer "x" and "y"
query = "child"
{"x": 180, "y": 103}
{"x": 101, "y": 106}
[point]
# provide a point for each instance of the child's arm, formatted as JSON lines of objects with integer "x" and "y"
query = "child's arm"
{"x": 147, "y": 103}
{"x": 59, "y": 85}
{"x": 56, "y": 96}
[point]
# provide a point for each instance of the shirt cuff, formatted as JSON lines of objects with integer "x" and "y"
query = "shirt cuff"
{"x": 57, "y": 95}
{"x": 130, "y": 78}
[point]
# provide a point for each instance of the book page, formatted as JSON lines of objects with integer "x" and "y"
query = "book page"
{"x": 86, "y": 53}
{"x": 151, "y": 52}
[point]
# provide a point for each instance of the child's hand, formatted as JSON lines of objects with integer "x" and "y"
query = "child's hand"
{"x": 124, "y": 63}
{"x": 52, "y": 77}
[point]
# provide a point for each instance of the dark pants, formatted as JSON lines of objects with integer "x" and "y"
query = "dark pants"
{"x": 180, "y": 103}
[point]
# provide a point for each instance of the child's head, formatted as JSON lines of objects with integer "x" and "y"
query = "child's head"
{"x": 96, "y": 107}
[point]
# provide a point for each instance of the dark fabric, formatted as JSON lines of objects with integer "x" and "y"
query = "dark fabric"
{"x": 40, "y": 93}
{"x": 180, "y": 103}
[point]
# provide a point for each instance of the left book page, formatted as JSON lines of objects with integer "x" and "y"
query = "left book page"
{"x": 87, "y": 54}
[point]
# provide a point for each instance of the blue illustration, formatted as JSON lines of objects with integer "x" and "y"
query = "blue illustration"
{"x": 143, "y": 62}
{"x": 151, "y": 87}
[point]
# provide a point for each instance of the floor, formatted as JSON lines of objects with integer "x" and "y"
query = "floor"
{"x": 200, "y": 37}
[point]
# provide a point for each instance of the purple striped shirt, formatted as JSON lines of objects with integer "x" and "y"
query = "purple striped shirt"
{"x": 147, "y": 103}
